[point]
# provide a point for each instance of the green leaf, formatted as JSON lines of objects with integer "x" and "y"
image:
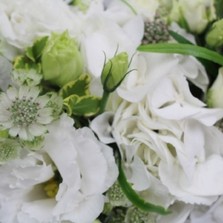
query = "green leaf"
{"x": 29, "y": 54}
{"x": 186, "y": 49}
{"x": 87, "y": 105}
{"x": 219, "y": 8}
{"x": 34, "y": 52}
{"x": 78, "y": 87}
{"x": 179, "y": 38}
{"x": 23, "y": 62}
{"x": 131, "y": 193}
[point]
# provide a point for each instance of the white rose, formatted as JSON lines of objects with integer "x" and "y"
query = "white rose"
{"x": 21, "y": 22}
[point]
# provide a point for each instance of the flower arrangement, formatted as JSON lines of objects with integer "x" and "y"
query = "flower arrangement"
{"x": 111, "y": 111}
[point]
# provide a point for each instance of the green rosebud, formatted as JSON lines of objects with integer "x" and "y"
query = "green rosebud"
{"x": 214, "y": 37}
{"x": 214, "y": 94}
{"x": 114, "y": 71}
{"x": 61, "y": 60}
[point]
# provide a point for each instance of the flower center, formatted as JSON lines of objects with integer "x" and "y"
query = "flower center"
{"x": 24, "y": 111}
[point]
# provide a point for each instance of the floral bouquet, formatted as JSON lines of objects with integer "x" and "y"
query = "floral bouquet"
{"x": 111, "y": 111}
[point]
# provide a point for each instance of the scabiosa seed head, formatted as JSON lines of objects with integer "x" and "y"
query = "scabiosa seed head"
{"x": 135, "y": 215}
{"x": 116, "y": 196}
{"x": 155, "y": 31}
{"x": 9, "y": 150}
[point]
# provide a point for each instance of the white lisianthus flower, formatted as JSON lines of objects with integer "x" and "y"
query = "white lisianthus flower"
{"x": 21, "y": 176}
{"x": 87, "y": 168}
{"x": 21, "y": 22}
{"x": 24, "y": 113}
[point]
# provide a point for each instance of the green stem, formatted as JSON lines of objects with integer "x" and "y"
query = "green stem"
{"x": 186, "y": 49}
{"x": 131, "y": 194}
{"x": 104, "y": 100}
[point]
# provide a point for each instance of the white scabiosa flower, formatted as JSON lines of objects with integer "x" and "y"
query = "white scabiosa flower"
{"x": 24, "y": 113}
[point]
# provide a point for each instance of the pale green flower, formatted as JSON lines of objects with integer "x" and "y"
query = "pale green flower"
{"x": 61, "y": 60}
{"x": 24, "y": 113}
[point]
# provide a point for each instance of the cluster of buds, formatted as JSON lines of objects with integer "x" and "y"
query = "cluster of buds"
{"x": 155, "y": 31}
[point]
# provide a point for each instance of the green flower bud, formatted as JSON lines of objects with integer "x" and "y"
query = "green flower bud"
{"x": 193, "y": 15}
{"x": 61, "y": 60}
{"x": 114, "y": 71}
{"x": 215, "y": 92}
{"x": 214, "y": 37}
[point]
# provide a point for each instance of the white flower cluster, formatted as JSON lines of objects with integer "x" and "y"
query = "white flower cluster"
{"x": 171, "y": 149}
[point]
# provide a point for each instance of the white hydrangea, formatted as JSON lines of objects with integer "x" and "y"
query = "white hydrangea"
{"x": 87, "y": 168}
{"x": 165, "y": 134}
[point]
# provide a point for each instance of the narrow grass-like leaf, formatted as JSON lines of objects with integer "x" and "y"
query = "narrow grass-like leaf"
{"x": 179, "y": 38}
{"x": 186, "y": 49}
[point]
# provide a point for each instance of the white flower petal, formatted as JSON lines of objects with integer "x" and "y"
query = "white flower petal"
{"x": 101, "y": 126}
{"x": 37, "y": 130}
